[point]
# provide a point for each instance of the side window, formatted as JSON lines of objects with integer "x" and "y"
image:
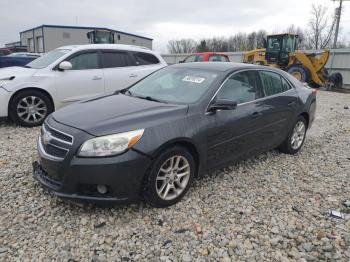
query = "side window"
{"x": 241, "y": 87}
{"x": 285, "y": 85}
{"x": 145, "y": 58}
{"x": 217, "y": 58}
{"x": 199, "y": 58}
{"x": 114, "y": 59}
{"x": 84, "y": 61}
{"x": 272, "y": 83}
{"x": 189, "y": 59}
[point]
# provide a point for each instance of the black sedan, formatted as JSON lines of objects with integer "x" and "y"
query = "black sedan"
{"x": 151, "y": 140}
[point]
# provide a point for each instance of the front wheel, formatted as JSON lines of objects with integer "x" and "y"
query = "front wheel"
{"x": 295, "y": 138}
{"x": 170, "y": 177}
{"x": 30, "y": 108}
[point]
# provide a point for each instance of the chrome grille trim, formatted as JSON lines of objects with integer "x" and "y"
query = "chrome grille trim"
{"x": 58, "y": 131}
{"x": 42, "y": 150}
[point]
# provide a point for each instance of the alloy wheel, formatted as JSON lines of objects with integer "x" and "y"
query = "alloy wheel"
{"x": 173, "y": 177}
{"x": 298, "y": 135}
{"x": 31, "y": 109}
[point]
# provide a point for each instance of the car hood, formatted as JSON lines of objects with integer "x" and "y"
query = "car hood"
{"x": 117, "y": 113}
{"x": 16, "y": 71}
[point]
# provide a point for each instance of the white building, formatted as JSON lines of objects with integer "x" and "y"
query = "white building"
{"x": 45, "y": 38}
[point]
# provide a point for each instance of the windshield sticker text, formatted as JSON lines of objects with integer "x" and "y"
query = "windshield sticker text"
{"x": 194, "y": 79}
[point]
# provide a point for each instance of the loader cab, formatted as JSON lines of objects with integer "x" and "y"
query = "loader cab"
{"x": 279, "y": 47}
{"x": 101, "y": 37}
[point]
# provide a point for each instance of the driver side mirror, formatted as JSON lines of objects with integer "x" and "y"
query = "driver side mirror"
{"x": 65, "y": 65}
{"x": 222, "y": 104}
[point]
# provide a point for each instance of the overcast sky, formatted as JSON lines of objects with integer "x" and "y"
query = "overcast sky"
{"x": 163, "y": 19}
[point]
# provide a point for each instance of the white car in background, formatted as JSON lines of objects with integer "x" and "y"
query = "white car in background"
{"x": 68, "y": 74}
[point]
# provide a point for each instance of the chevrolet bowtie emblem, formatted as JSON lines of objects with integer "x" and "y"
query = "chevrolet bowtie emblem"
{"x": 46, "y": 138}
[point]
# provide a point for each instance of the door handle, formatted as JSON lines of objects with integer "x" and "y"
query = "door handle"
{"x": 132, "y": 75}
{"x": 291, "y": 103}
{"x": 96, "y": 78}
{"x": 256, "y": 114}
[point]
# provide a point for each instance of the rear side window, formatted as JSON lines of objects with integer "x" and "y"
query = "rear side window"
{"x": 218, "y": 58}
{"x": 145, "y": 58}
{"x": 285, "y": 85}
{"x": 272, "y": 83}
{"x": 84, "y": 61}
{"x": 241, "y": 87}
{"x": 115, "y": 59}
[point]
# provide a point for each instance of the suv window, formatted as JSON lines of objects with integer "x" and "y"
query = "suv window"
{"x": 241, "y": 87}
{"x": 218, "y": 58}
{"x": 112, "y": 59}
{"x": 272, "y": 83}
{"x": 84, "y": 61}
{"x": 145, "y": 58}
{"x": 285, "y": 85}
{"x": 199, "y": 58}
{"x": 189, "y": 59}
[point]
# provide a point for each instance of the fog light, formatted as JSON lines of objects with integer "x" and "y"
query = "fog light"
{"x": 101, "y": 189}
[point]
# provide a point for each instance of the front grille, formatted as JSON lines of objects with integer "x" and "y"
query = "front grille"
{"x": 58, "y": 134}
{"x": 55, "y": 151}
{"x": 53, "y": 143}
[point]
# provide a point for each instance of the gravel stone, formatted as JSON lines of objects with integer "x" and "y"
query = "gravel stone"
{"x": 271, "y": 207}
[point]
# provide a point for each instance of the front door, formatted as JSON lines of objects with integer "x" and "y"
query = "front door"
{"x": 235, "y": 133}
{"x": 84, "y": 80}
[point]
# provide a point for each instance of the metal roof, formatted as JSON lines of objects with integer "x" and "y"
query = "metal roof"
{"x": 85, "y": 27}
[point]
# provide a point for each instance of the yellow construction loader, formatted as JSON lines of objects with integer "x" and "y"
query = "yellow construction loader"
{"x": 281, "y": 52}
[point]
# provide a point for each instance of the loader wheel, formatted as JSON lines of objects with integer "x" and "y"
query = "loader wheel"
{"x": 338, "y": 80}
{"x": 300, "y": 72}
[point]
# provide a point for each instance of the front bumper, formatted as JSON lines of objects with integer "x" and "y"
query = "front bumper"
{"x": 4, "y": 99}
{"x": 77, "y": 178}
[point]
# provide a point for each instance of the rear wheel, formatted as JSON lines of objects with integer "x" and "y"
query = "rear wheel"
{"x": 300, "y": 72}
{"x": 30, "y": 108}
{"x": 170, "y": 177}
{"x": 296, "y": 137}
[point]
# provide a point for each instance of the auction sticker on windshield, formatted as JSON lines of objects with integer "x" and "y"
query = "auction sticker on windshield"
{"x": 194, "y": 79}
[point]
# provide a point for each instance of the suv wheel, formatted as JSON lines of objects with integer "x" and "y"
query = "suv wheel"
{"x": 30, "y": 108}
{"x": 170, "y": 177}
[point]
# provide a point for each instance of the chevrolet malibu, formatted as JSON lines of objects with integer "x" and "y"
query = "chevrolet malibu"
{"x": 149, "y": 141}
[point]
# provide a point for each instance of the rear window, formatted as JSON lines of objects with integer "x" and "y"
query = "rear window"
{"x": 145, "y": 58}
{"x": 114, "y": 59}
{"x": 272, "y": 83}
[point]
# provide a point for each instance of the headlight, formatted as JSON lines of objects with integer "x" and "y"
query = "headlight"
{"x": 111, "y": 144}
{"x": 3, "y": 82}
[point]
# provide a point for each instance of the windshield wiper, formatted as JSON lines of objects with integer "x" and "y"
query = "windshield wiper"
{"x": 27, "y": 66}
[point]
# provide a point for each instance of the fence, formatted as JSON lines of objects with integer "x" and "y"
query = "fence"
{"x": 339, "y": 61}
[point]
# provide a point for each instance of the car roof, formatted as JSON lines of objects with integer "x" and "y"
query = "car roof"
{"x": 218, "y": 66}
{"x": 107, "y": 46}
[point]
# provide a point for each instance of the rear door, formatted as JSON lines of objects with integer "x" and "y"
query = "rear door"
{"x": 146, "y": 64}
{"x": 280, "y": 101}
{"x": 236, "y": 133}
{"x": 83, "y": 81}
{"x": 118, "y": 69}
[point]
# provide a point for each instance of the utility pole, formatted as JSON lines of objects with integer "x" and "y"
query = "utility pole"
{"x": 338, "y": 15}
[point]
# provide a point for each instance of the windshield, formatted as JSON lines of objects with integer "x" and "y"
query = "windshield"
{"x": 47, "y": 59}
{"x": 175, "y": 85}
{"x": 288, "y": 44}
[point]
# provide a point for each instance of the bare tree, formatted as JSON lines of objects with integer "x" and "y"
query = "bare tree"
{"x": 319, "y": 29}
{"x": 182, "y": 46}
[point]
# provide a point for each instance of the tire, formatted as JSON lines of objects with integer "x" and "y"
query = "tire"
{"x": 287, "y": 146}
{"x": 160, "y": 177}
{"x": 36, "y": 101}
{"x": 299, "y": 71}
{"x": 338, "y": 80}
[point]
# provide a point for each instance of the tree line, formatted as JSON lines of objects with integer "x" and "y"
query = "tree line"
{"x": 317, "y": 35}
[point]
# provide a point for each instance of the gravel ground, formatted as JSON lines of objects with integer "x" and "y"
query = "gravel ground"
{"x": 272, "y": 207}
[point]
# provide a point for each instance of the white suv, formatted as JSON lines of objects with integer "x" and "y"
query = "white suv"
{"x": 68, "y": 74}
